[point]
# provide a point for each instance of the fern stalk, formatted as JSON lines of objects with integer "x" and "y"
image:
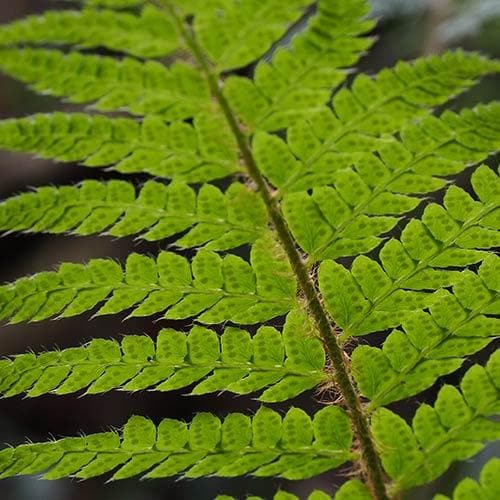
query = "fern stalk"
{"x": 369, "y": 458}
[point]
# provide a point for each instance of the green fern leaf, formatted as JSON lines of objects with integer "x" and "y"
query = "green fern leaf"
{"x": 282, "y": 365}
{"x": 215, "y": 219}
{"x": 456, "y": 428}
{"x": 152, "y": 34}
{"x": 245, "y": 29}
{"x": 353, "y": 489}
{"x": 141, "y": 88}
{"x": 283, "y": 495}
{"x": 295, "y": 448}
{"x": 194, "y": 153}
{"x": 364, "y": 202}
{"x": 432, "y": 344}
{"x": 363, "y": 299}
{"x": 385, "y": 105}
{"x": 311, "y": 171}
{"x": 216, "y": 289}
{"x": 487, "y": 488}
{"x": 297, "y": 82}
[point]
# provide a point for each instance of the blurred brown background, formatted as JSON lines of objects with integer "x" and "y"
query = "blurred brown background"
{"x": 407, "y": 29}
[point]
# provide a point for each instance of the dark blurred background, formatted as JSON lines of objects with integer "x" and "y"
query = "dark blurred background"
{"x": 407, "y": 29}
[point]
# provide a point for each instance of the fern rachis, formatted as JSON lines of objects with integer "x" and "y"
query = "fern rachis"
{"x": 318, "y": 179}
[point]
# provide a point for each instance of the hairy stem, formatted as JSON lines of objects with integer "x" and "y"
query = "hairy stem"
{"x": 371, "y": 464}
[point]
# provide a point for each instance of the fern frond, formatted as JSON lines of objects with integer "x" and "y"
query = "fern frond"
{"x": 385, "y": 104}
{"x": 245, "y": 29}
{"x": 334, "y": 170}
{"x": 283, "y": 365}
{"x": 141, "y": 88}
{"x": 487, "y": 488}
{"x": 194, "y": 153}
{"x": 150, "y": 34}
{"x": 295, "y": 448}
{"x": 364, "y": 299}
{"x": 217, "y": 220}
{"x": 283, "y": 495}
{"x": 353, "y": 489}
{"x": 217, "y": 289}
{"x": 456, "y": 428}
{"x": 432, "y": 147}
{"x": 297, "y": 82}
{"x": 352, "y": 206}
{"x": 432, "y": 344}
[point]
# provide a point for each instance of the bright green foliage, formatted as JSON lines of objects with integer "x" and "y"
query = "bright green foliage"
{"x": 353, "y": 489}
{"x": 150, "y": 34}
{"x": 487, "y": 488}
{"x": 245, "y": 29}
{"x": 283, "y": 495}
{"x": 363, "y": 300}
{"x": 155, "y": 212}
{"x": 296, "y": 83}
{"x": 193, "y": 153}
{"x": 337, "y": 168}
{"x": 455, "y": 428}
{"x": 216, "y": 289}
{"x": 350, "y": 490}
{"x": 367, "y": 200}
{"x": 294, "y": 447}
{"x": 141, "y": 88}
{"x": 385, "y": 105}
{"x": 328, "y": 143}
{"x": 283, "y": 364}
{"x": 432, "y": 344}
